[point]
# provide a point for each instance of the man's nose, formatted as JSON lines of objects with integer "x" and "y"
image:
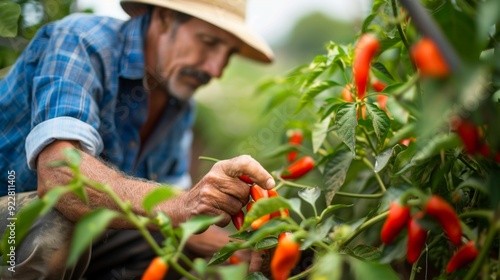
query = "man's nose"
{"x": 215, "y": 64}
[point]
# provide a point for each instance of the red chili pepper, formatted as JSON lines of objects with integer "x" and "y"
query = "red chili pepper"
{"x": 465, "y": 255}
{"x": 257, "y": 223}
{"x": 295, "y": 139}
{"x": 347, "y": 93}
{"x": 285, "y": 257}
{"x": 378, "y": 86}
{"x": 416, "y": 238}
{"x": 428, "y": 59}
{"x": 382, "y": 101}
{"x": 365, "y": 49}
{"x": 238, "y": 220}
{"x": 407, "y": 141}
{"x": 299, "y": 168}
{"x": 156, "y": 270}
{"x": 274, "y": 193}
{"x": 439, "y": 209}
{"x": 257, "y": 192}
{"x": 234, "y": 260}
{"x": 246, "y": 179}
{"x": 396, "y": 220}
{"x": 469, "y": 135}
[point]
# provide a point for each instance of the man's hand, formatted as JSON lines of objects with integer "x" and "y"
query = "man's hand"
{"x": 220, "y": 192}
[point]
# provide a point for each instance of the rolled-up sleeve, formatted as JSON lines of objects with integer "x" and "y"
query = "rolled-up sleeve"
{"x": 66, "y": 94}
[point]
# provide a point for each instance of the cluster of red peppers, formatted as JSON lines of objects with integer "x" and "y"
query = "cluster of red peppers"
{"x": 298, "y": 167}
{"x": 256, "y": 193}
{"x": 400, "y": 216}
{"x": 473, "y": 139}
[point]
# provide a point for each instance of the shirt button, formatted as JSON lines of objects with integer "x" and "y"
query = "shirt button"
{"x": 132, "y": 144}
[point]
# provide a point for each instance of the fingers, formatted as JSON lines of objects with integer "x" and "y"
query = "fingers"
{"x": 221, "y": 193}
{"x": 246, "y": 165}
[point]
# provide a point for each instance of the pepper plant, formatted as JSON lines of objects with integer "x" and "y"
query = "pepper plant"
{"x": 406, "y": 115}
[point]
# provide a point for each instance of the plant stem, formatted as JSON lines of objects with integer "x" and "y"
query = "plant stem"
{"x": 364, "y": 226}
{"x": 379, "y": 180}
{"x": 360, "y": 195}
{"x": 414, "y": 266}
{"x": 398, "y": 25}
{"x": 208, "y": 158}
{"x": 181, "y": 270}
{"x": 488, "y": 215}
{"x": 370, "y": 143}
{"x": 303, "y": 274}
{"x": 132, "y": 218}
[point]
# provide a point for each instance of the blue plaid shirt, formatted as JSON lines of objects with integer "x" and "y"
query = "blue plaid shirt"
{"x": 80, "y": 79}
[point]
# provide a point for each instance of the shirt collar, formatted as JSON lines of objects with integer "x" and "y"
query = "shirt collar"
{"x": 132, "y": 57}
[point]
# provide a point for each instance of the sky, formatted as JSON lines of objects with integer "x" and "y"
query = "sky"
{"x": 272, "y": 19}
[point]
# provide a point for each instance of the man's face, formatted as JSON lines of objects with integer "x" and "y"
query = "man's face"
{"x": 191, "y": 55}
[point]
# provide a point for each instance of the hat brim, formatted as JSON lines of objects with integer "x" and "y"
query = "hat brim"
{"x": 253, "y": 47}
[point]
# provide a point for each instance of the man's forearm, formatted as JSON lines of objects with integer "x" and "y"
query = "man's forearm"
{"x": 127, "y": 189}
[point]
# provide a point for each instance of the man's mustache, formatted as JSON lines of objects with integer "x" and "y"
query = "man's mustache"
{"x": 201, "y": 76}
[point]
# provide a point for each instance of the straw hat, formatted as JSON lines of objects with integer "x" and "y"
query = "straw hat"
{"x": 228, "y": 15}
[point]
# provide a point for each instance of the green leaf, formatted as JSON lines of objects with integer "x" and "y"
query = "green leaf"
{"x": 365, "y": 252}
{"x": 266, "y": 243}
{"x": 435, "y": 146}
{"x": 335, "y": 173}
{"x": 9, "y": 16}
{"x": 273, "y": 227}
{"x": 24, "y": 219}
{"x": 380, "y": 121}
{"x": 158, "y": 195}
{"x": 329, "y": 267}
{"x": 78, "y": 188}
{"x": 382, "y": 159}
{"x": 233, "y": 272}
{"x": 403, "y": 160}
{"x": 371, "y": 270}
{"x": 380, "y": 68}
{"x": 225, "y": 252}
{"x": 346, "y": 122}
{"x": 51, "y": 198}
{"x": 366, "y": 23}
{"x": 314, "y": 90}
{"x": 487, "y": 15}
{"x": 407, "y": 131}
{"x": 89, "y": 227}
{"x": 277, "y": 98}
{"x": 310, "y": 195}
{"x": 256, "y": 276}
{"x": 263, "y": 207}
{"x": 319, "y": 133}
{"x": 295, "y": 204}
{"x": 195, "y": 225}
{"x": 315, "y": 68}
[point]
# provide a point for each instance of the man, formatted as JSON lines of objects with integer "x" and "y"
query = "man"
{"x": 120, "y": 92}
